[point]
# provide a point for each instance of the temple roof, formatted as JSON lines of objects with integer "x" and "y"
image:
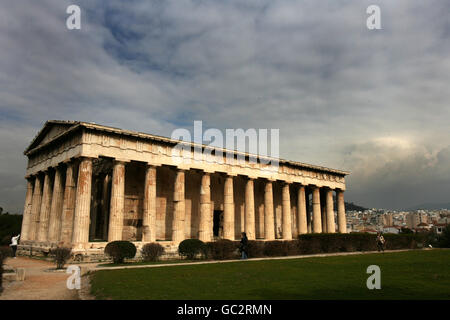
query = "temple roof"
{"x": 55, "y": 129}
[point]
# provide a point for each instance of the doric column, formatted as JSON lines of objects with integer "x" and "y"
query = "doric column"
{"x": 82, "y": 205}
{"x": 178, "y": 232}
{"x": 204, "y": 232}
{"x": 331, "y": 226}
{"x": 308, "y": 210}
{"x": 45, "y": 207}
{"x": 68, "y": 210}
{"x": 301, "y": 211}
{"x": 54, "y": 228}
{"x": 35, "y": 208}
{"x": 317, "y": 221}
{"x": 342, "y": 223}
{"x": 269, "y": 218}
{"x": 250, "y": 210}
{"x": 26, "y": 220}
{"x": 323, "y": 210}
{"x": 106, "y": 202}
{"x": 117, "y": 202}
{"x": 286, "y": 207}
{"x": 228, "y": 209}
{"x": 149, "y": 216}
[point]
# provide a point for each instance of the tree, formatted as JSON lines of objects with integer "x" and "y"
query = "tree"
{"x": 444, "y": 238}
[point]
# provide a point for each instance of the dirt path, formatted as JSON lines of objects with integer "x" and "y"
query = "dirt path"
{"x": 38, "y": 284}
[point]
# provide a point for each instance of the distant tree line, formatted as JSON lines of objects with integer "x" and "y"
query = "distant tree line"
{"x": 10, "y": 224}
{"x": 350, "y": 206}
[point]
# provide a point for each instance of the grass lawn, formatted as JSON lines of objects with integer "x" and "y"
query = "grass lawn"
{"x": 404, "y": 275}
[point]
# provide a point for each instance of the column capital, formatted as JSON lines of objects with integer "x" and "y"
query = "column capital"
{"x": 152, "y": 164}
{"x": 124, "y": 161}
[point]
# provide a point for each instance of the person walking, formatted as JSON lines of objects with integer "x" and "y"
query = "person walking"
{"x": 380, "y": 242}
{"x": 13, "y": 245}
{"x": 243, "y": 246}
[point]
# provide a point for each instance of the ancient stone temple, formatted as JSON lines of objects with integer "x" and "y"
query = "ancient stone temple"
{"x": 89, "y": 184}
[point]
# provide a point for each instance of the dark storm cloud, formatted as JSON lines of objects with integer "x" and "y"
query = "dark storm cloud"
{"x": 372, "y": 102}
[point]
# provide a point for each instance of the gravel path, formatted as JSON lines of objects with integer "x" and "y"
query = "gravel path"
{"x": 38, "y": 284}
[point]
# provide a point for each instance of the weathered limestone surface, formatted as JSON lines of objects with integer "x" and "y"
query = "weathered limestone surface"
{"x": 179, "y": 208}
{"x": 342, "y": 224}
{"x": 301, "y": 218}
{"x": 228, "y": 214}
{"x": 80, "y": 236}
{"x": 317, "y": 219}
{"x": 26, "y": 221}
{"x": 68, "y": 210}
{"x": 45, "y": 208}
{"x": 287, "y": 223}
{"x": 204, "y": 233}
{"x": 250, "y": 210}
{"x": 117, "y": 202}
{"x": 269, "y": 222}
{"x": 56, "y": 208}
{"x": 331, "y": 226}
{"x": 112, "y": 184}
{"x": 149, "y": 217}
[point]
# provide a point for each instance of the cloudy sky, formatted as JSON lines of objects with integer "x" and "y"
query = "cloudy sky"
{"x": 374, "y": 102}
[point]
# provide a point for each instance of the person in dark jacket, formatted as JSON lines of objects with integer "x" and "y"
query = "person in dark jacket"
{"x": 244, "y": 246}
{"x": 380, "y": 242}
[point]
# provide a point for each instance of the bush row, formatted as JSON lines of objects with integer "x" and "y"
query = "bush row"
{"x": 305, "y": 244}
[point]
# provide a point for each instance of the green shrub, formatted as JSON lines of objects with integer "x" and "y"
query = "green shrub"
{"x": 191, "y": 248}
{"x": 119, "y": 250}
{"x": 350, "y": 242}
{"x": 444, "y": 238}
{"x": 222, "y": 249}
{"x": 255, "y": 249}
{"x": 60, "y": 256}
{"x": 152, "y": 251}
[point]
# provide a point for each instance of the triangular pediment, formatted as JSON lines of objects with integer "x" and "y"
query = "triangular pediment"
{"x": 50, "y": 130}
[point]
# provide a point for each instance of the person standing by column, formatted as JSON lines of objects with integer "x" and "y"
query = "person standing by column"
{"x": 243, "y": 246}
{"x": 380, "y": 242}
{"x": 13, "y": 245}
